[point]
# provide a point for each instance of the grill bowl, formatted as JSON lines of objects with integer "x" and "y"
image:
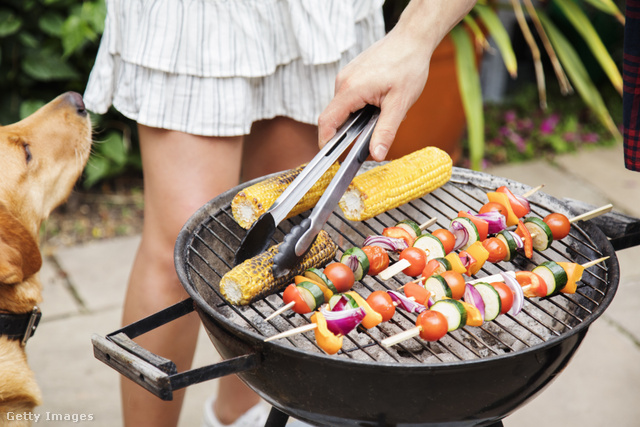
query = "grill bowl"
{"x": 473, "y": 376}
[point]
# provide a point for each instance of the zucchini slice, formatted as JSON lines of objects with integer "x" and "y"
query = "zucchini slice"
{"x": 363, "y": 262}
{"x": 316, "y": 275}
{"x": 411, "y": 226}
{"x": 454, "y": 311}
{"x": 431, "y": 245}
{"x": 491, "y": 299}
{"x": 312, "y": 294}
{"x": 438, "y": 287}
{"x": 553, "y": 275}
{"x": 541, "y": 235}
{"x": 508, "y": 240}
{"x": 472, "y": 231}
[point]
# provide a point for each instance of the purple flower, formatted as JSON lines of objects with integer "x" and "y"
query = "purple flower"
{"x": 590, "y": 137}
{"x": 509, "y": 116}
{"x": 549, "y": 124}
{"x": 505, "y": 131}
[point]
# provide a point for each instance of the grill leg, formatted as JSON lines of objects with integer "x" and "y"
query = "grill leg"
{"x": 277, "y": 418}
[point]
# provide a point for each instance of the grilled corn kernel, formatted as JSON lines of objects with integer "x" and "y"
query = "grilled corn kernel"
{"x": 253, "y": 201}
{"x": 395, "y": 183}
{"x": 253, "y": 279}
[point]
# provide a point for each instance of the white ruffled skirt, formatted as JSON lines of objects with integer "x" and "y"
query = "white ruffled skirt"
{"x": 213, "y": 67}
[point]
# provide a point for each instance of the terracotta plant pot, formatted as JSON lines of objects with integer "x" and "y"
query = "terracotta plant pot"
{"x": 437, "y": 118}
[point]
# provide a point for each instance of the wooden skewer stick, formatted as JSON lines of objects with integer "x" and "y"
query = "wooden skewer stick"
{"x": 428, "y": 223}
{"x": 402, "y": 336}
{"x": 280, "y": 310}
{"x": 532, "y": 191}
{"x": 294, "y": 331}
{"x": 394, "y": 269}
{"x": 594, "y": 262}
{"x": 592, "y": 214}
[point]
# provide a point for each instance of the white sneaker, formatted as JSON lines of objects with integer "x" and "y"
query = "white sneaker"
{"x": 254, "y": 417}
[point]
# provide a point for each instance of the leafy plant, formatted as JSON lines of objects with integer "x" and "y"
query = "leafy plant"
{"x": 48, "y": 47}
{"x": 566, "y": 62}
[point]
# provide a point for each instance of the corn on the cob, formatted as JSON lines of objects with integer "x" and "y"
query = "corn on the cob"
{"x": 253, "y": 279}
{"x": 253, "y": 201}
{"x": 390, "y": 185}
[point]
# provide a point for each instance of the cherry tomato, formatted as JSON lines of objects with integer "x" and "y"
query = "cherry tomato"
{"x": 398, "y": 233}
{"x": 447, "y": 238}
{"x": 340, "y": 275}
{"x": 418, "y": 259}
{"x": 494, "y": 206}
{"x": 481, "y": 225}
{"x": 456, "y": 282}
{"x": 290, "y": 294}
{"x": 559, "y": 225}
{"x": 381, "y": 302}
{"x": 433, "y": 325}
{"x": 417, "y": 292}
{"x": 506, "y": 296}
{"x": 498, "y": 251}
{"x": 378, "y": 259}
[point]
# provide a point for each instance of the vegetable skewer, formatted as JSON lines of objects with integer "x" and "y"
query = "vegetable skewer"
{"x": 418, "y": 330}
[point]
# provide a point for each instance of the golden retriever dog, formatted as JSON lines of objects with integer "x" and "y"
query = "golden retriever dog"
{"x": 41, "y": 158}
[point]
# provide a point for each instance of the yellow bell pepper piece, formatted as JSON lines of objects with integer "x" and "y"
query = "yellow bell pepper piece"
{"x": 326, "y": 340}
{"x": 372, "y": 317}
{"x": 503, "y": 199}
{"x": 456, "y": 263}
{"x": 480, "y": 254}
{"x": 574, "y": 274}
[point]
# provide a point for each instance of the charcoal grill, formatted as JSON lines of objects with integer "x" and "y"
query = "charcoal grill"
{"x": 473, "y": 376}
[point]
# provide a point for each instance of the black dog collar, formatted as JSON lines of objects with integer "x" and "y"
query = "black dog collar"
{"x": 20, "y": 326}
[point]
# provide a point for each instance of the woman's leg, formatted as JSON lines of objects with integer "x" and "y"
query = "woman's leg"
{"x": 277, "y": 144}
{"x": 181, "y": 173}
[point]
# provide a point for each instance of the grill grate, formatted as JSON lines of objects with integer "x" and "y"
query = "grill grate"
{"x": 209, "y": 255}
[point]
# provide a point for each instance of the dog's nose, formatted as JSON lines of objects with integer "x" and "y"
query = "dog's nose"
{"x": 76, "y": 99}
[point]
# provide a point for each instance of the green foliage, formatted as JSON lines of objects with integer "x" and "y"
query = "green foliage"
{"x": 48, "y": 47}
{"x": 111, "y": 157}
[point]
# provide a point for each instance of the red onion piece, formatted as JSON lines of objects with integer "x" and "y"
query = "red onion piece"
{"x": 352, "y": 262}
{"x": 497, "y": 222}
{"x": 460, "y": 233}
{"x": 344, "y": 321}
{"x": 473, "y": 297}
{"x": 518, "y": 239}
{"x": 406, "y": 303}
{"x": 342, "y": 303}
{"x": 466, "y": 259}
{"x": 518, "y": 294}
{"x": 387, "y": 243}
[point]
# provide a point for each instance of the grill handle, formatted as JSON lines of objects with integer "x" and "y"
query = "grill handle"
{"x": 155, "y": 373}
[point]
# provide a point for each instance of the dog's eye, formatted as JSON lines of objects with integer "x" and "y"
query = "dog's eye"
{"x": 27, "y": 152}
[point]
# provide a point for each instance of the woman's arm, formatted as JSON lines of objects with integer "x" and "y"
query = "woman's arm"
{"x": 391, "y": 74}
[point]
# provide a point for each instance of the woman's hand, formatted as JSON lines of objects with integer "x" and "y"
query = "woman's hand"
{"x": 392, "y": 73}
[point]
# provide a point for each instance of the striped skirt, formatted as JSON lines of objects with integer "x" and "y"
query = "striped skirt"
{"x": 213, "y": 67}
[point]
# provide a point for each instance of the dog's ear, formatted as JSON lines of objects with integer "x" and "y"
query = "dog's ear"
{"x": 19, "y": 252}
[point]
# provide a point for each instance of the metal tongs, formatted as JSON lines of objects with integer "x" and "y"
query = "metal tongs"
{"x": 358, "y": 127}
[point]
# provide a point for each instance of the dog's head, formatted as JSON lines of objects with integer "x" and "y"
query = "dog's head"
{"x": 42, "y": 156}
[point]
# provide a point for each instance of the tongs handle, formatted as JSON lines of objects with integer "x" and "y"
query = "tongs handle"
{"x": 338, "y": 186}
{"x": 296, "y": 243}
{"x": 321, "y": 162}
